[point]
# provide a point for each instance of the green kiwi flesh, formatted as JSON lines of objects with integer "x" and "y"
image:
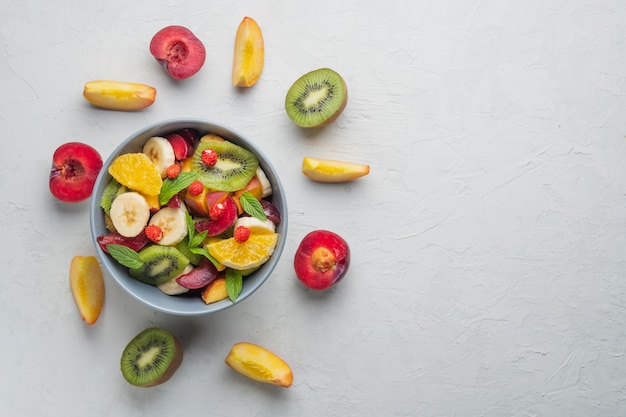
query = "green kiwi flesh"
{"x": 112, "y": 190}
{"x": 151, "y": 357}
{"x": 317, "y": 98}
{"x": 235, "y": 166}
{"x": 160, "y": 264}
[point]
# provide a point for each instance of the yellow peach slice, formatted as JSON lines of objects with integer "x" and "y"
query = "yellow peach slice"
{"x": 87, "y": 287}
{"x": 249, "y": 53}
{"x": 215, "y": 291}
{"x": 328, "y": 170}
{"x": 117, "y": 95}
{"x": 259, "y": 364}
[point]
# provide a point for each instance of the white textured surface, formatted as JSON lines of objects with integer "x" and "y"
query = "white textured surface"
{"x": 489, "y": 240}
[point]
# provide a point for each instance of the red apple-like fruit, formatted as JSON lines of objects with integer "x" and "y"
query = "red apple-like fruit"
{"x": 180, "y": 52}
{"x": 75, "y": 167}
{"x": 322, "y": 259}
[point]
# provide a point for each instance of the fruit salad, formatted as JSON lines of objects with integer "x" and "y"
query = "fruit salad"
{"x": 189, "y": 213}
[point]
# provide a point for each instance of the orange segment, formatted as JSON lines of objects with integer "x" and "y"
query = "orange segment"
{"x": 87, "y": 286}
{"x": 252, "y": 253}
{"x": 137, "y": 172}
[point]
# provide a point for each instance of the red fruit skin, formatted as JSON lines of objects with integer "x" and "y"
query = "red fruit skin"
{"x": 306, "y": 262}
{"x": 191, "y": 136}
{"x": 174, "y": 202}
{"x": 180, "y": 145}
{"x": 271, "y": 212}
{"x": 223, "y": 223}
{"x": 199, "y": 277}
{"x": 135, "y": 243}
{"x": 75, "y": 167}
{"x": 180, "y": 52}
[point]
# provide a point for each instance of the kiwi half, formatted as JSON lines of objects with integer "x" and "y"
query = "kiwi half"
{"x": 317, "y": 98}
{"x": 151, "y": 357}
{"x": 235, "y": 166}
{"x": 112, "y": 190}
{"x": 160, "y": 264}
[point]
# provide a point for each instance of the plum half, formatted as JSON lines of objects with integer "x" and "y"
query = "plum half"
{"x": 322, "y": 259}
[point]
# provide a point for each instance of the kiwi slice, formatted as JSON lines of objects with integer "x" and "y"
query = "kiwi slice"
{"x": 151, "y": 358}
{"x": 317, "y": 98}
{"x": 112, "y": 190}
{"x": 235, "y": 166}
{"x": 160, "y": 264}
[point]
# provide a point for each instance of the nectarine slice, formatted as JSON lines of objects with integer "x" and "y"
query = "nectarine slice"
{"x": 259, "y": 364}
{"x": 328, "y": 170}
{"x": 249, "y": 53}
{"x": 87, "y": 287}
{"x": 117, "y": 95}
{"x": 215, "y": 291}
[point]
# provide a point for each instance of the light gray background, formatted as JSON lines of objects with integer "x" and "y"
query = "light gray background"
{"x": 488, "y": 241}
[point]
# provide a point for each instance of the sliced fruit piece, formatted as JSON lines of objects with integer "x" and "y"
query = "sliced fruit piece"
{"x": 112, "y": 190}
{"x": 160, "y": 264}
{"x": 322, "y": 259}
{"x": 87, "y": 287}
{"x": 235, "y": 166}
{"x": 221, "y": 224}
{"x": 328, "y": 170}
{"x": 249, "y": 53}
{"x": 179, "y": 51}
{"x": 252, "y": 253}
{"x": 135, "y": 243}
{"x": 258, "y": 363}
{"x": 75, "y": 167}
{"x": 253, "y": 187}
{"x": 179, "y": 145}
{"x": 151, "y": 358}
{"x": 130, "y": 213}
{"x": 172, "y": 287}
{"x": 317, "y": 98}
{"x": 256, "y": 225}
{"x": 191, "y": 136}
{"x": 173, "y": 224}
{"x": 196, "y": 203}
{"x": 198, "y": 277}
{"x": 211, "y": 137}
{"x": 160, "y": 152}
{"x": 117, "y": 95}
{"x": 271, "y": 212}
{"x": 215, "y": 291}
{"x": 266, "y": 185}
{"x": 153, "y": 202}
{"x": 137, "y": 172}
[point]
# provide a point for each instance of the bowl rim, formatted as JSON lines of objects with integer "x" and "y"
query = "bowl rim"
{"x": 207, "y": 126}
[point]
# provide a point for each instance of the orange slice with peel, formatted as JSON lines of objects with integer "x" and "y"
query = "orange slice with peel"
{"x": 137, "y": 172}
{"x": 252, "y": 253}
{"x": 87, "y": 285}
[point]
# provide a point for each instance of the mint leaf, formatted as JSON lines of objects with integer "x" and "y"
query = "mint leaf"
{"x": 234, "y": 283}
{"x": 125, "y": 256}
{"x": 204, "y": 252}
{"x": 197, "y": 239}
{"x": 252, "y": 206}
{"x": 171, "y": 187}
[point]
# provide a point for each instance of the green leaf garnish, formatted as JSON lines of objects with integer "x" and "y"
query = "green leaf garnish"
{"x": 197, "y": 239}
{"x": 252, "y": 206}
{"x": 125, "y": 256}
{"x": 204, "y": 252}
{"x": 171, "y": 187}
{"x": 234, "y": 283}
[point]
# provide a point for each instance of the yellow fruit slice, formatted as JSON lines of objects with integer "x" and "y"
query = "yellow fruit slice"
{"x": 118, "y": 95}
{"x": 259, "y": 364}
{"x": 215, "y": 291}
{"x": 137, "y": 172}
{"x": 87, "y": 287}
{"x": 328, "y": 170}
{"x": 249, "y": 54}
{"x": 252, "y": 253}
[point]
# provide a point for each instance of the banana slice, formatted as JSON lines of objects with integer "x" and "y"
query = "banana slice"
{"x": 256, "y": 225}
{"x": 129, "y": 213}
{"x": 266, "y": 187}
{"x": 161, "y": 152}
{"x": 172, "y": 287}
{"x": 173, "y": 224}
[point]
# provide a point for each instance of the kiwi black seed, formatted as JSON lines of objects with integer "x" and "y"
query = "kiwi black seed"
{"x": 317, "y": 98}
{"x": 160, "y": 264}
{"x": 235, "y": 166}
{"x": 151, "y": 357}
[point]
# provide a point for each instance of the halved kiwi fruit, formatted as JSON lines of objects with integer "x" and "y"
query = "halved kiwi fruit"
{"x": 235, "y": 166}
{"x": 317, "y": 98}
{"x": 151, "y": 357}
{"x": 112, "y": 190}
{"x": 160, "y": 264}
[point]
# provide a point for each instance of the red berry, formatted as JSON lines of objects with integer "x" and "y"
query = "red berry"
{"x": 196, "y": 188}
{"x": 216, "y": 211}
{"x": 154, "y": 232}
{"x": 209, "y": 157}
{"x": 241, "y": 234}
{"x": 172, "y": 171}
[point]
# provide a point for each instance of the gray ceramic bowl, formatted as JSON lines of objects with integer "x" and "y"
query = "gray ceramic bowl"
{"x": 186, "y": 305}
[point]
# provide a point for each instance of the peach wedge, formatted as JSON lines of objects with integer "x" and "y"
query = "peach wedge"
{"x": 259, "y": 364}
{"x": 87, "y": 287}
{"x": 249, "y": 53}
{"x": 117, "y": 95}
{"x": 328, "y": 170}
